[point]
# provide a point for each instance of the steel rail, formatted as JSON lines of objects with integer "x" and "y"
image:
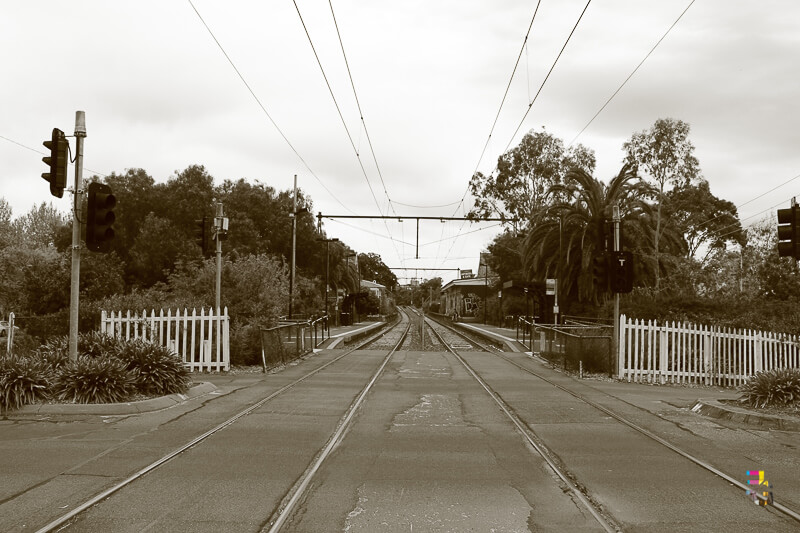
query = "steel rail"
{"x": 604, "y": 521}
{"x": 699, "y": 462}
{"x": 299, "y": 489}
{"x": 163, "y": 460}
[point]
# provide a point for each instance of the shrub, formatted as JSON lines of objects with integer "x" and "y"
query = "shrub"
{"x": 91, "y": 344}
{"x": 773, "y": 387}
{"x": 246, "y": 344}
{"x": 155, "y": 369}
{"x": 93, "y": 380}
{"x": 22, "y": 381}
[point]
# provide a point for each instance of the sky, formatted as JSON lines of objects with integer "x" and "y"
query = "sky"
{"x": 235, "y": 86}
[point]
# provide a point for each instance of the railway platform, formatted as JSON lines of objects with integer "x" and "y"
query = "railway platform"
{"x": 504, "y": 336}
{"x": 344, "y": 334}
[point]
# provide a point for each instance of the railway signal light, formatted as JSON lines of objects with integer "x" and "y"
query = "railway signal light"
{"x": 600, "y": 271}
{"x": 621, "y": 274}
{"x": 202, "y": 234}
{"x": 100, "y": 218}
{"x": 789, "y": 232}
{"x": 57, "y": 161}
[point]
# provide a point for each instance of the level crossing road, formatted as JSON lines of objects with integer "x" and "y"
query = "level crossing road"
{"x": 421, "y": 439}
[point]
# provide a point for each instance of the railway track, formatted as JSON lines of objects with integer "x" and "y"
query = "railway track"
{"x": 64, "y": 521}
{"x": 553, "y": 459}
{"x": 413, "y": 333}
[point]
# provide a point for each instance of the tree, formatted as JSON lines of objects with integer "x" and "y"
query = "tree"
{"x": 136, "y": 195}
{"x": 665, "y": 153}
{"x": 706, "y": 222}
{"x": 39, "y": 226}
{"x": 6, "y": 227}
{"x": 576, "y": 227}
{"x": 518, "y": 188}
{"x": 505, "y": 256}
{"x": 186, "y": 197}
{"x": 157, "y": 249}
{"x": 372, "y": 268}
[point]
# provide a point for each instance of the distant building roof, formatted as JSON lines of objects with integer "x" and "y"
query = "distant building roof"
{"x": 371, "y": 285}
{"x": 471, "y": 282}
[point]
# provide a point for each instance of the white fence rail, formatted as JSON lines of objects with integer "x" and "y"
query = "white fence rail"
{"x": 202, "y": 340}
{"x": 689, "y": 353}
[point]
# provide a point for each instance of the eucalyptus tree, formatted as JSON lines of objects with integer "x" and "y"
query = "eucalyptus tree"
{"x": 518, "y": 187}
{"x": 666, "y": 154}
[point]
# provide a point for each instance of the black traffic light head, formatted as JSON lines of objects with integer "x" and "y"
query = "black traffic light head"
{"x": 789, "y": 232}
{"x": 100, "y": 218}
{"x": 57, "y": 161}
{"x": 600, "y": 272}
{"x": 621, "y": 272}
{"x": 202, "y": 234}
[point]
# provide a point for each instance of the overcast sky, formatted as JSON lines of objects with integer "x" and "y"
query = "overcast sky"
{"x": 159, "y": 94}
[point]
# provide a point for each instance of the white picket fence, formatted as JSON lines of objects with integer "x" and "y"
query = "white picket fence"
{"x": 689, "y": 353}
{"x": 202, "y": 340}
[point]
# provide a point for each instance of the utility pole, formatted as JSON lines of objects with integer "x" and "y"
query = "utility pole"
{"x": 80, "y": 134}
{"x": 294, "y": 244}
{"x": 220, "y": 232}
{"x": 615, "y": 339}
{"x": 327, "y": 269}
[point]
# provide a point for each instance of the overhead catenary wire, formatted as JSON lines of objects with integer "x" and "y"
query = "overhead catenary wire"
{"x": 344, "y": 123}
{"x": 95, "y": 172}
{"x": 264, "y": 109}
{"x": 358, "y": 105}
{"x": 538, "y": 92}
{"x": 536, "y": 96}
{"x": 502, "y": 102}
{"x": 632, "y": 73}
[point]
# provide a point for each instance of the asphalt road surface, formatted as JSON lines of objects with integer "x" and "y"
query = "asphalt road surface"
{"x": 428, "y": 450}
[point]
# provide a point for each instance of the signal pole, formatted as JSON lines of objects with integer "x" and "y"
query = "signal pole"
{"x": 80, "y": 134}
{"x": 294, "y": 244}
{"x": 220, "y": 227}
{"x": 615, "y": 338}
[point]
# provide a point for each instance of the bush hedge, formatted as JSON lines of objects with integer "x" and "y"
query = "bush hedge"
{"x": 780, "y": 387}
{"x": 107, "y": 370}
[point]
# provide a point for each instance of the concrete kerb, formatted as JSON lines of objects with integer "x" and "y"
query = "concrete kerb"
{"x": 349, "y": 336}
{"x": 126, "y": 408}
{"x": 720, "y": 411}
{"x": 509, "y": 344}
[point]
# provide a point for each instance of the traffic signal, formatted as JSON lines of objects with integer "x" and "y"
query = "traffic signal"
{"x": 100, "y": 217}
{"x": 789, "y": 232}
{"x": 621, "y": 274}
{"x": 600, "y": 271}
{"x": 202, "y": 234}
{"x": 57, "y": 161}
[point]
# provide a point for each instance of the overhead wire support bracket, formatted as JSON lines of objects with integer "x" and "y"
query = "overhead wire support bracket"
{"x": 400, "y": 218}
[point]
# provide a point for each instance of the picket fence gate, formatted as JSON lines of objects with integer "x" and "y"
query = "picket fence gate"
{"x": 201, "y": 340}
{"x": 689, "y": 353}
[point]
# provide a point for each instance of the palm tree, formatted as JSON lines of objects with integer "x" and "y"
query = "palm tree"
{"x": 574, "y": 228}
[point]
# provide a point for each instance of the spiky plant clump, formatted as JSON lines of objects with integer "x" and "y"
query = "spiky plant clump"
{"x": 93, "y": 344}
{"x": 22, "y": 381}
{"x": 779, "y": 387}
{"x": 156, "y": 369}
{"x": 96, "y": 344}
{"x": 93, "y": 380}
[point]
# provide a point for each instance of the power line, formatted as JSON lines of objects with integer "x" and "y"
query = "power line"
{"x": 530, "y": 105}
{"x": 95, "y": 172}
{"x": 344, "y": 123}
{"x": 358, "y": 104}
{"x": 632, "y": 73}
{"x": 502, "y": 101}
{"x": 536, "y": 96}
{"x": 264, "y": 109}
